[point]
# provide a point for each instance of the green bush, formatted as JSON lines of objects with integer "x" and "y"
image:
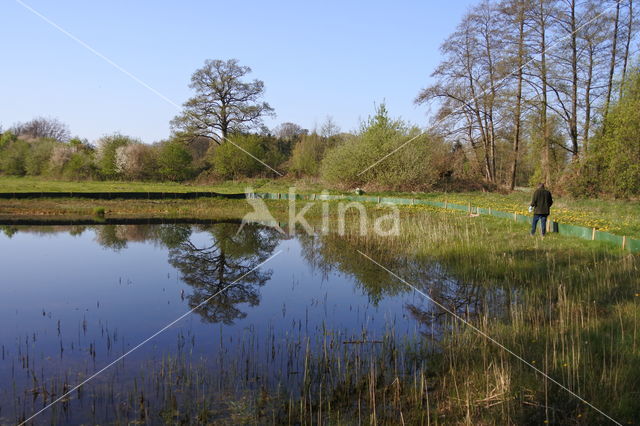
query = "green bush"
{"x": 38, "y": 158}
{"x": 99, "y": 211}
{"x": 6, "y": 138}
{"x": 612, "y": 162}
{"x": 276, "y": 153}
{"x": 308, "y": 153}
{"x": 418, "y": 164}
{"x": 229, "y": 162}
{"x": 174, "y": 161}
{"x": 13, "y": 157}
{"x": 80, "y": 166}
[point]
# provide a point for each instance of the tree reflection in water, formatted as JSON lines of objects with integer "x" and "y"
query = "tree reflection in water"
{"x": 468, "y": 300}
{"x": 225, "y": 262}
{"x": 228, "y": 255}
{"x": 227, "y": 259}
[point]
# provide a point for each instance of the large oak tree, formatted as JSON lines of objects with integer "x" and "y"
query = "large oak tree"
{"x": 224, "y": 102}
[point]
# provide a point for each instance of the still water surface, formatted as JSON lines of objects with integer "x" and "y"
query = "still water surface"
{"x": 74, "y": 298}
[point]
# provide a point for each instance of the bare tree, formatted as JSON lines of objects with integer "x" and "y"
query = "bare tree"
{"x": 223, "y": 102}
{"x": 563, "y": 80}
{"x": 516, "y": 16}
{"x": 614, "y": 51}
{"x": 530, "y": 73}
{"x": 625, "y": 58}
{"x": 468, "y": 83}
{"x": 42, "y": 128}
{"x": 542, "y": 26}
{"x": 289, "y": 131}
{"x": 592, "y": 41}
{"x": 329, "y": 127}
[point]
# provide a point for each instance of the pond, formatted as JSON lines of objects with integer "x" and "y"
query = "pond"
{"x": 255, "y": 308}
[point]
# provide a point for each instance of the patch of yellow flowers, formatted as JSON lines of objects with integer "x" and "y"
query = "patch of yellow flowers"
{"x": 562, "y": 215}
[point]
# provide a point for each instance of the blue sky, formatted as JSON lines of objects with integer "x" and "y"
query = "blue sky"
{"x": 324, "y": 58}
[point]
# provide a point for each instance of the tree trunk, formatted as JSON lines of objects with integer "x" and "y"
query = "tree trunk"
{"x": 626, "y": 47}
{"x": 518, "y": 112}
{"x": 587, "y": 97}
{"x": 573, "y": 124}
{"x": 476, "y": 111}
{"x": 546, "y": 156}
{"x": 490, "y": 104}
{"x": 612, "y": 67}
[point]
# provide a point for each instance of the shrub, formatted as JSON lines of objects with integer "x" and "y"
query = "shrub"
{"x": 7, "y": 138}
{"x": 418, "y": 164}
{"x": 230, "y": 162}
{"x": 137, "y": 161}
{"x": 106, "y": 159}
{"x": 174, "y": 161}
{"x": 59, "y": 157}
{"x": 13, "y": 158}
{"x": 99, "y": 211}
{"x": 38, "y": 158}
{"x": 308, "y": 153}
{"x": 80, "y": 166}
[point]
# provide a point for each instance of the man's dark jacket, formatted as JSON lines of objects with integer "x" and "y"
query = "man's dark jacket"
{"x": 542, "y": 201}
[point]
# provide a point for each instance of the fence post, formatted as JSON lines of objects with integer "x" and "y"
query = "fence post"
{"x": 378, "y": 199}
{"x": 412, "y": 201}
{"x": 469, "y": 207}
{"x": 548, "y": 225}
{"x": 624, "y": 242}
{"x": 593, "y": 234}
{"x": 445, "y": 203}
{"x": 515, "y": 216}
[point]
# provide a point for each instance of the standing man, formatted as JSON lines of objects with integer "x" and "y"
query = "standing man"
{"x": 540, "y": 204}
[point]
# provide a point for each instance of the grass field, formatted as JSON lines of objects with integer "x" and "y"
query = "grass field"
{"x": 615, "y": 216}
{"x": 29, "y": 184}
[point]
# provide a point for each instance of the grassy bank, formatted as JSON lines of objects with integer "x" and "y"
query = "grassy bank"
{"x": 615, "y": 216}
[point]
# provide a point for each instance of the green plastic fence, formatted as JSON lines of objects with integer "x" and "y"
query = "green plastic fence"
{"x": 575, "y": 231}
{"x": 632, "y": 245}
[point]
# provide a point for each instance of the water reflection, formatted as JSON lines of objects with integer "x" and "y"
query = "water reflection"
{"x": 222, "y": 256}
{"x": 225, "y": 266}
{"x": 466, "y": 299}
{"x": 101, "y": 289}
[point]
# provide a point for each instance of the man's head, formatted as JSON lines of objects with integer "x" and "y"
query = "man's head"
{"x": 541, "y": 185}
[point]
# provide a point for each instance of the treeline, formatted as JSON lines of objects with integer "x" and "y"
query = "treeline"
{"x": 534, "y": 91}
{"x": 322, "y": 154}
{"x": 121, "y": 157}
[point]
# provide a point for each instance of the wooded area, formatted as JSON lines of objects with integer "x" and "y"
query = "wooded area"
{"x": 526, "y": 85}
